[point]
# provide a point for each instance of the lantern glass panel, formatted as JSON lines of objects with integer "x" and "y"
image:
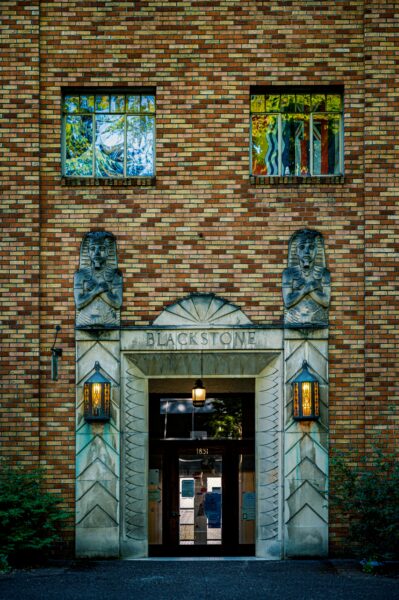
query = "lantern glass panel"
{"x": 306, "y": 399}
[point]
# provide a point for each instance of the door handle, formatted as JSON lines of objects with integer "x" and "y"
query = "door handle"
{"x": 174, "y": 515}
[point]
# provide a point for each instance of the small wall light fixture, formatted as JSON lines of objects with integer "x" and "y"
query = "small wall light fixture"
{"x": 97, "y": 397}
{"x": 199, "y": 392}
{"x": 305, "y": 389}
{"x": 56, "y": 353}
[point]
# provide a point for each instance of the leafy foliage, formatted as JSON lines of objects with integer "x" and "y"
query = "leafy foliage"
{"x": 226, "y": 421}
{"x": 30, "y": 519}
{"x": 369, "y": 495}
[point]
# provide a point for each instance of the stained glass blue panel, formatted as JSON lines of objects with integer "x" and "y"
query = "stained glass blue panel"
{"x": 87, "y": 104}
{"x": 133, "y": 104}
{"x": 295, "y": 145}
{"x": 265, "y": 145}
{"x": 148, "y": 103}
{"x": 140, "y": 146}
{"x": 78, "y": 146}
{"x": 102, "y": 104}
{"x": 71, "y": 104}
{"x": 109, "y": 145}
{"x": 117, "y": 104}
{"x": 326, "y": 136}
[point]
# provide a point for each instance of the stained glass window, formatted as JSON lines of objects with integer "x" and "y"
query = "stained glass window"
{"x": 297, "y": 134}
{"x": 108, "y": 135}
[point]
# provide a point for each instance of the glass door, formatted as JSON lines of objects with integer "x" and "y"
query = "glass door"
{"x": 201, "y": 495}
{"x": 200, "y": 499}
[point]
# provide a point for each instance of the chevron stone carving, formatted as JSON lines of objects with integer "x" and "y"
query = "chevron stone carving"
{"x": 268, "y": 460}
{"x": 306, "y": 451}
{"x": 97, "y": 452}
{"x": 135, "y": 439}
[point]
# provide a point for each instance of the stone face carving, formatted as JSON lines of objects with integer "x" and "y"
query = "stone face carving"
{"x": 98, "y": 282}
{"x": 306, "y": 281}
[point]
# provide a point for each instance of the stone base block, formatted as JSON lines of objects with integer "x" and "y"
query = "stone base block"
{"x": 93, "y": 542}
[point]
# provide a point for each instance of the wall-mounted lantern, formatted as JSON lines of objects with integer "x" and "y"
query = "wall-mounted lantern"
{"x": 97, "y": 397}
{"x": 306, "y": 399}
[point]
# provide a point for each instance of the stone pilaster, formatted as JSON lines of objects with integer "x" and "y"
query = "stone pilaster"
{"x": 134, "y": 542}
{"x": 306, "y": 450}
{"x": 97, "y": 450}
{"x": 268, "y": 460}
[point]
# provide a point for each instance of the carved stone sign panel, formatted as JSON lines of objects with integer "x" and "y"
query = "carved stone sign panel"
{"x": 156, "y": 339}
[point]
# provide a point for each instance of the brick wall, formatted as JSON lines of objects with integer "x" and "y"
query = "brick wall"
{"x": 20, "y": 214}
{"x": 203, "y": 226}
{"x": 381, "y": 225}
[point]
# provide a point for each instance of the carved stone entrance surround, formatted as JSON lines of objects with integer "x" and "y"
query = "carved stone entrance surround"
{"x": 112, "y": 459}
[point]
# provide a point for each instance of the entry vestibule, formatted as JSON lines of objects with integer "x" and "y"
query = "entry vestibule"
{"x": 265, "y": 368}
{"x": 201, "y": 498}
{"x": 115, "y": 475}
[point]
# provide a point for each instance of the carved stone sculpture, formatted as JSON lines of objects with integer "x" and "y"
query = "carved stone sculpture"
{"x": 306, "y": 281}
{"x": 98, "y": 282}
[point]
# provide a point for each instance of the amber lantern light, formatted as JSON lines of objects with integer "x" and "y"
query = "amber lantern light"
{"x": 199, "y": 392}
{"x": 306, "y": 399}
{"x": 97, "y": 397}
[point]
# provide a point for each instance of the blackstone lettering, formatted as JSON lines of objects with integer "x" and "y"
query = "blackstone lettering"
{"x": 182, "y": 339}
{"x": 201, "y": 339}
{"x": 225, "y": 338}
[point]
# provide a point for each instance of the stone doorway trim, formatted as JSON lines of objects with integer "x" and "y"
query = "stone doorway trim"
{"x": 112, "y": 458}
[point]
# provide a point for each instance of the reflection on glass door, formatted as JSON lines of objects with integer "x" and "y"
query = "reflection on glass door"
{"x": 200, "y": 500}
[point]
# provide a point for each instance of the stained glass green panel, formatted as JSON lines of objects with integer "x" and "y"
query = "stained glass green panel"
{"x": 71, "y": 104}
{"x": 302, "y": 103}
{"x": 334, "y": 103}
{"x": 295, "y": 145}
{"x": 326, "y": 145}
{"x": 272, "y": 103}
{"x": 102, "y": 104}
{"x": 117, "y": 104}
{"x": 133, "y": 104}
{"x": 264, "y": 145}
{"x": 257, "y": 103}
{"x": 87, "y": 104}
{"x": 318, "y": 102}
{"x": 287, "y": 103}
{"x": 140, "y": 146}
{"x": 109, "y": 145}
{"x": 148, "y": 103}
{"x": 78, "y": 146}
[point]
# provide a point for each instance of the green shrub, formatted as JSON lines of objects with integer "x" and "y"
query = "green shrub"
{"x": 369, "y": 496}
{"x": 30, "y": 519}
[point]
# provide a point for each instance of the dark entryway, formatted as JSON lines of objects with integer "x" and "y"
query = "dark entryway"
{"x": 202, "y": 476}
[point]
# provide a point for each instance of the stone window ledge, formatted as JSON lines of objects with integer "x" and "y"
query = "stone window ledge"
{"x": 270, "y": 181}
{"x": 108, "y": 182}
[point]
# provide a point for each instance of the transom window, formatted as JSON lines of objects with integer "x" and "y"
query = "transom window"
{"x": 108, "y": 134}
{"x": 296, "y": 133}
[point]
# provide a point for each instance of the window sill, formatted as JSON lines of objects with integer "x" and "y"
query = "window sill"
{"x": 288, "y": 180}
{"x": 111, "y": 182}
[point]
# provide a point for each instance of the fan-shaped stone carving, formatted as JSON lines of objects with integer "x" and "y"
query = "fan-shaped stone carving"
{"x": 202, "y": 310}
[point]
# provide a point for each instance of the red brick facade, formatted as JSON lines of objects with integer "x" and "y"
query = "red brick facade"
{"x": 202, "y": 225}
